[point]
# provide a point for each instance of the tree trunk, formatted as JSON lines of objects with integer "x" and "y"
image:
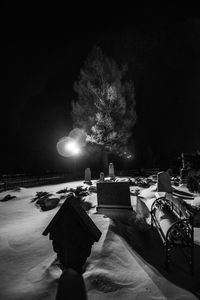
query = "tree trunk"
{"x": 105, "y": 161}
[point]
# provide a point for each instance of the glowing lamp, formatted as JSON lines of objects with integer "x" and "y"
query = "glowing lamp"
{"x": 72, "y": 147}
{"x": 68, "y": 147}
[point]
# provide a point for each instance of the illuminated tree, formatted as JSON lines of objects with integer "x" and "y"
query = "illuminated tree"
{"x": 105, "y": 107}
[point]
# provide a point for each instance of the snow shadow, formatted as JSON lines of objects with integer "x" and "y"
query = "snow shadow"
{"x": 147, "y": 245}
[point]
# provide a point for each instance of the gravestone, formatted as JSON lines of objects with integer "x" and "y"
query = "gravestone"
{"x": 88, "y": 176}
{"x": 72, "y": 233}
{"x": 101, "y": 177}
{"x": 111, "y": 171}
{"x": 112, "y": 196}
{"x": 186, "y": 162}
{"x": 164, "y": 182}
{"x": 184, "y": 175}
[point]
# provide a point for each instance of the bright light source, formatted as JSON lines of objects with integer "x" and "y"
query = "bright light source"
{"x": 72, "y": 147}
{"x": 68, "y": 147}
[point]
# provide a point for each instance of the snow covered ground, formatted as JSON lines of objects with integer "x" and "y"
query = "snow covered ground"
{"x": 127, "y": 262}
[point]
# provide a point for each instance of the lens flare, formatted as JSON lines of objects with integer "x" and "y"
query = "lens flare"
{"x": 78, "y": 135}
{"x": 67, "y": 147}
{"x": 72, "y": 146}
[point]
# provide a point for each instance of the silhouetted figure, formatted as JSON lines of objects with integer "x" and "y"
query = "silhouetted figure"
{"x": 71, "y": 286}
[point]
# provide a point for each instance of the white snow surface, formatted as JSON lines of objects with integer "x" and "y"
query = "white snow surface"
{"x": 116, "y": 268}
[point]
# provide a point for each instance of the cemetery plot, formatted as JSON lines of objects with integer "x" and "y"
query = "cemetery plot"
{"x": 113, "y": 195}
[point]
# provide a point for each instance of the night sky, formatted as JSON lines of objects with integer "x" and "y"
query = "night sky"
{"x": 40, "y": 65}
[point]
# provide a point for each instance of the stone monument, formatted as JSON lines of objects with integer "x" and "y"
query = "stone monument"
{"x": 113, "y": 196}
{"x": 164, "y": 182}
{"x": 88, "y": 176}
{"x": 111, "y": 171}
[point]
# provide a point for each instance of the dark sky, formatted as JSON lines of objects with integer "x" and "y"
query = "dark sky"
{"x": 41, "y": 62}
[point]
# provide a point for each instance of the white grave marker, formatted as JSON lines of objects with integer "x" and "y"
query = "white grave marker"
{"x": 111, "y": 171}
{"x": 87, "y": 176}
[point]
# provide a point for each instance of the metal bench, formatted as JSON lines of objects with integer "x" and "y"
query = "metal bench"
{"x": 174, "y": 223}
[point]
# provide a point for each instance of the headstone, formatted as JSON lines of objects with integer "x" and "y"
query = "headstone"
{"x": 184, "y": 175}
{"x": 101, "y": 177}
{"x": 170, "y": 172}
{"x": 112, "y": 196}
{"x": 88, "y": 176}
{"x": 111, "y": 171}
{"x": 188, "y": 160}
{"x": 72, "y": 233}
{"x": 164, "y": 182}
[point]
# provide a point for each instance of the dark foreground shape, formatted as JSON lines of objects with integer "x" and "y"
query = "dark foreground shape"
{"x": 71, "y": 286}
{"x": 72, "y": 233}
